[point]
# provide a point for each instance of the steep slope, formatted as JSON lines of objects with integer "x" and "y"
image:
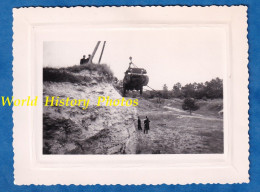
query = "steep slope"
{"x": 96, "y": 130}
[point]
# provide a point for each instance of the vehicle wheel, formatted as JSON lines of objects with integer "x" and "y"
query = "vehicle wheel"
{"x": 141, "y": 91}
{"x": 124, "y": 91}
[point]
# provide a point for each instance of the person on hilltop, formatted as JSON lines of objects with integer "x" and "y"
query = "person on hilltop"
{"x": 83, "y": 60}
{"x": 146, "y": 125}
{"x": 139, "y": 123}
{"x": 87, "y": 60}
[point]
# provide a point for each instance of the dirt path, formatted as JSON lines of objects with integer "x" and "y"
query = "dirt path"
{"x": 200, "y": 117}
{"x": 194, "y": 115}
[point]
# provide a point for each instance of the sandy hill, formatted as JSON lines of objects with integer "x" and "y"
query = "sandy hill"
{"x": 96, "y": 130}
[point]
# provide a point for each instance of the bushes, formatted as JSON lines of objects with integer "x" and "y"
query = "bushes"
{"x": 189, "y": 104}
{"x": 100, "y": 68}
{"x": 212, "y": 89}
{"x": 60, "y": 75}
{"x": 66, "y": 74}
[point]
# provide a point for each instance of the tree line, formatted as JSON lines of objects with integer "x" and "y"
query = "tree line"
{"x": 212, "y": 89}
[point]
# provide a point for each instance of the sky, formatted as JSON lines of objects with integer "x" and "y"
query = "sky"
{"x": 180, "y": 54}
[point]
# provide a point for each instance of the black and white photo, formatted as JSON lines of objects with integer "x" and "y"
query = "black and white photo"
{"x": 175, "y": 77}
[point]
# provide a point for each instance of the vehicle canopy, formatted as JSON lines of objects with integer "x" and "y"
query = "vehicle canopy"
{"x": 136, "y": 71}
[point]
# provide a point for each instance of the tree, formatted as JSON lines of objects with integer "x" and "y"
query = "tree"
{"x": 165, "y": 88}
{"x": 200, "y": 91}
{"x": 189, "y": 90}
{"x": 211, "y": 89}
{"x": 177, "y": 93}
{"x": 189, "y": 105}
{"x": 165, "y": 92}
{"x": 214, "y": 88}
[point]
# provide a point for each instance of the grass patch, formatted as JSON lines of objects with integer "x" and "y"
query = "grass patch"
{"x": 103, "y": 69}
{"x": 61, "y": 75}
{"x": 69, "y": 74}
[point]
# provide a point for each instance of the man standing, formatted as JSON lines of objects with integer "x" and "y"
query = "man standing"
{"x": 146, "y": 125}
{"x": 139, "y": 123}
{"x": 83, "y": 60}
{"x": 87, "y": 60}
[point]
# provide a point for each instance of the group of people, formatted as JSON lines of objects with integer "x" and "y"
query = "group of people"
{"x": 146, "y": 125}
{"x": 85, "y": 60}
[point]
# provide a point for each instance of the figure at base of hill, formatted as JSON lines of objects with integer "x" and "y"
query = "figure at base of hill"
{"x": 146, "y": 125}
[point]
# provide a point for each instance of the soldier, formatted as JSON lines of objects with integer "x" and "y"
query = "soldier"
{"x": 87, "y": 60}
{"x": 83, "y": 60}
{"x": 139, "y": 123}
{"x": 146, "y": 125}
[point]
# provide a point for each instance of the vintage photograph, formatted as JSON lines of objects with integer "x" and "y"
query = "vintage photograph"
{"x": 130, "y": 95}
{"x": 155, "y": 92}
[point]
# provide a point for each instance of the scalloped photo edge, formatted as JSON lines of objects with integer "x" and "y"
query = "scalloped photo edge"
{"x": 35, "y": 27}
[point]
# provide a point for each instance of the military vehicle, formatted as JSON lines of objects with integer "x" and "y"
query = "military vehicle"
{"x": 135, "y": 78}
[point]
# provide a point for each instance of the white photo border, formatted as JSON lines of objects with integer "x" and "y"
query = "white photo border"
{"x": 31, "y": 167}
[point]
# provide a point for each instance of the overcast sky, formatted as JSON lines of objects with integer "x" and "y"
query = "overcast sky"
{"x": 184, "y": 55}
